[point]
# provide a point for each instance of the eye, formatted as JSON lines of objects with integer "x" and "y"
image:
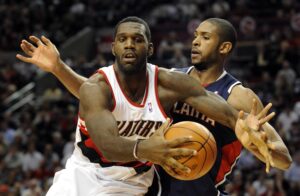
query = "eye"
{"x": 205, "y": 37}
{"x": 139, "y": 40}
{"x": 121, "y": 39}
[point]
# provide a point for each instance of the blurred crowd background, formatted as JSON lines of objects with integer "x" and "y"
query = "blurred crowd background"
{"x": 38, "y": 117}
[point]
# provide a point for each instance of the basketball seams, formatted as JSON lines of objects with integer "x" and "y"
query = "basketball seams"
{"x": 203, "y": 160}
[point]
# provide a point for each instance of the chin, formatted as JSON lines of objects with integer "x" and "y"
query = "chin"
{"x": 200, "y": 66}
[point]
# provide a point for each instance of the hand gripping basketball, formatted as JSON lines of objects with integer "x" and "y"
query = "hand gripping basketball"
{"x": 158, "y": 150}
{"x": 202, "y": 141}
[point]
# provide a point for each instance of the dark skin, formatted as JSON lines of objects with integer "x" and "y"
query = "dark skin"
{"x": 209, "y": 54}
{"x": 131, "y": 49}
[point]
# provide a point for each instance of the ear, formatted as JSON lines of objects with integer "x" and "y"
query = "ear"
{"x": 113, "y": 48}
{"x": 225, "y": 47}
{"x": 150, "y": 49}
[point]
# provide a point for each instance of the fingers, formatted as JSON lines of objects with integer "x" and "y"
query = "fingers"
{"x": 241, "y": 122}
{"x": 267, "y": 165}
{"x": 27, "y": 48}
{"x": 36, "y": 40}
{"x": 182, "y": 152}
{"x": 23, "y": 58}
{"x": 254, "y": 107}
{"x": 171, "y": 171}
{"x": 46, "y": 40}
{"x": 175, "y": 166}
{"x": 165, "y": 126}
{"x": 241, "y": 114}
{"x": 28, "y": 45}
{"x": 271, "y": 146}
{"x": 264, "y": 111}
{"x": 179, "y": 141}
{"x": 267, "y": 118}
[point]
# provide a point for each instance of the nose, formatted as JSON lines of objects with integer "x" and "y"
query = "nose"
{"x": 196, "y": 42}
{"x": 129, "y": 43}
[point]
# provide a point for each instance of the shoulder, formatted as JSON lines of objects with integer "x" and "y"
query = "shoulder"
{"x": 179, "y": 83}
{"x": 173, "y": 77}
{"x": 95, "y": 86}
{"x": 241, "y": 98}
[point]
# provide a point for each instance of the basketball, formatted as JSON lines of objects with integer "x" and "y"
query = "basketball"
{"x": 203, "y": 142}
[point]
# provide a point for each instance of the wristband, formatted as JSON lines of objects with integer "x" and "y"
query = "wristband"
{"x": 135, "y": 149}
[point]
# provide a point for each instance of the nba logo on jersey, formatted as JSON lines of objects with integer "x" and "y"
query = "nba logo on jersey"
{"x": 150, "y": 107}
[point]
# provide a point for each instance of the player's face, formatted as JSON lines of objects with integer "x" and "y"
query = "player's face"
{"x": 205, "y": 46}
{"x": 130, "y": 47}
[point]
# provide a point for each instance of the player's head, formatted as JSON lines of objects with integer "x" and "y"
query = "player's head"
{"x": 214, "y": 40}
{"x": 132, "y": 44}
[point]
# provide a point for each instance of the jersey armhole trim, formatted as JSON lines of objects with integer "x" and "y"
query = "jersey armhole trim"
{"x": 233, "y": 85}
{"x": 112, "y": 92}
{"x": 156, "y": 93}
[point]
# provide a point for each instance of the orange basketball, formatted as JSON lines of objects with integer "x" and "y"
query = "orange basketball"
{"x": 203, "y": 141}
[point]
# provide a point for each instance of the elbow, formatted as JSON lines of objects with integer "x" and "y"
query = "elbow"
{"x": 284, "y": 164}
{"x": 106, "y": 151}
{"x": 287, "y": 163}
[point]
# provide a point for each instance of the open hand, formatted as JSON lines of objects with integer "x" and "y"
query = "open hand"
{"x": 248, "y": 131}
{"x": 42, "y": 53}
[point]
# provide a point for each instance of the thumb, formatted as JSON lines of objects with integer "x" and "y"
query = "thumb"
{"x": 241, "y": 114}
{"x": 164, "y": 127}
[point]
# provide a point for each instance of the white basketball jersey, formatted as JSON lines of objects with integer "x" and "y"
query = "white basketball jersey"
{"x": 134, "y": 121}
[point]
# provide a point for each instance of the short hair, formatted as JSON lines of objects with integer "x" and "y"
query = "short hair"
{"x": 226, "y": 30}
{"x": 137, "y": 20}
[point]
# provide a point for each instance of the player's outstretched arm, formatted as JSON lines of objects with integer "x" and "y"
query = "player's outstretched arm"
{"x": 182, "y": 87}
{"x": 241, "y": 99}
{"x": 187, "y": 89}
{"x": 96, "y": 104}
{"x": 44, "y": 54}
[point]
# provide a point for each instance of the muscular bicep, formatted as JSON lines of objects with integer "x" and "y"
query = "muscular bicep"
{"x": 241, "y": 98}
{"x": 95, "y": 108}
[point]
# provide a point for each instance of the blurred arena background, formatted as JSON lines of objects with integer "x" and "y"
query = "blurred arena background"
{"x": 38, "y": 117}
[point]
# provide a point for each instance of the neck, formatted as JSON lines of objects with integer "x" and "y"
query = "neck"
{"x": 208, "y": 75}
{"x": 133, "y": 85}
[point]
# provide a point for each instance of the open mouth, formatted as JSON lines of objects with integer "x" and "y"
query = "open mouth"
{"x": 130, "y": 56}
{"x": 195, "y": 53}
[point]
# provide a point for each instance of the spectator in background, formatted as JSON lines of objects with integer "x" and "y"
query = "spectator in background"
{"x": 178, "y": 60}
{"x": 292, "y": 175}
{"x": 167, "y": 47}
{"x": 285, "y": 120}
{"x": 13, "y": 158}
{"x": 32, "y": 189}
{"x": 287, "y": 77}
{"x": 32, "y": 159}
{"x": 68, "y": 149}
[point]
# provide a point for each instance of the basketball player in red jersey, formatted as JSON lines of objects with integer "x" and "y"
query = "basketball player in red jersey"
{"x": 131, "y": 48}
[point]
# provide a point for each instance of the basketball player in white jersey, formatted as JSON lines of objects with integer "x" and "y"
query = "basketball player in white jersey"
{"x": 121, "y": 108}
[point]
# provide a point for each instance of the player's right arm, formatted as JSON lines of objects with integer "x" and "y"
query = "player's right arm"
{"x": 95, "y": 107}
{"x": 240, "y": 98}
{"x": 45, "y": 55}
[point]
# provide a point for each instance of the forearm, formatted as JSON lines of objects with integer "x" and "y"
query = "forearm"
{"x": 70, "y": 79}
{"x": 104, "y": 134}
{"x": 280, "y": 152}
{"x": 216, "y": 108}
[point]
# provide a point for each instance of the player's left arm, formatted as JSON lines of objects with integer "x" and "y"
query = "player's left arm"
{"x": 181, "y": 87}
{"x": 241, "y": 99}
